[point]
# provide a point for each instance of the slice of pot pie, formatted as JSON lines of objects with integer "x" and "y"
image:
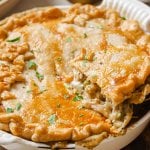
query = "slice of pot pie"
{"x": 71, "y": 75}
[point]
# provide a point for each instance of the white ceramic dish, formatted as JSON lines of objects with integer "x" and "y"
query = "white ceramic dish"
{"x": 145, "y": 1}
{"x": 131, "y": 9}
{"x": 112, "y": 143}
{"x": 11, "y": 142}
{"x": 6, "y": 6}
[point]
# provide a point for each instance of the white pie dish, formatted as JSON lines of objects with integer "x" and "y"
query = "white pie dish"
{"x": 112, "y": 143}
{"x": 9, "y": 141}
{"x": 6, "y": 5}
{"x": 145, "y": 1}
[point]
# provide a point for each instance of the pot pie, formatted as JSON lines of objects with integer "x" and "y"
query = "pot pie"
{"x": 71, "y": 75}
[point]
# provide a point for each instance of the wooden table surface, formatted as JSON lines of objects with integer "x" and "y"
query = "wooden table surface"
{"x": 142, "y": 142}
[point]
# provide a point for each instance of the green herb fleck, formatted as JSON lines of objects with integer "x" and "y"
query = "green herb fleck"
{"x": 31, "y": 65}
{"x": 58, "y": 105}
{"x": 14, "y": 40}
{"x": 39, "y": 76}
{"x": 69, "y": 40}
{"x": 81, "y": 115}
{"x": 87, "y": 82}
{"x": 95, "y": 58}
{"x": 100, "y": 27}
{"x": 85, "y": 57}
{"x": 59, "y": 59}
{"x": 85, "y": 35}
{"x": 105, "y": 51}
{"x": 77, "y": 97}
{"x": 42, "y": 91}
{"x": 52, "y": 119}
{"x": 29, "y": 91}
{"x": 72, "y": 52}
{"x": 18, "y": 106}
{"x": 123, "y": 18}
{"x": 66, "y": 85}
{"x": 85, "y": 60}
{"x": 81, "y": 124}
{"x": 32, "y": 51}
{"x": 66, "y": 96}
{"x": 34, "y": 84}
{"x": 9, "y": 110}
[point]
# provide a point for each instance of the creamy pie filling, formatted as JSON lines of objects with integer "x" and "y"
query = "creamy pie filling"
{"x": 69, "y": 75}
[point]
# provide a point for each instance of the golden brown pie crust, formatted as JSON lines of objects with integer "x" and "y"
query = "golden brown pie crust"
{"x": 31, "y": 121}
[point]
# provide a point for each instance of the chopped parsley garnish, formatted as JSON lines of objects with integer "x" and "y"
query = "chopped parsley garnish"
{"x": 85, "y": 35}
{"x": 66, "y": 85}
{"x": 85, "y": 60}
{"x": 100, "y": 27}
{"x": 105, "y": 51}
{"x": 81, "y": 124}
{"x": 9, "y": 110}
{"x": 95, "y": 58}
{"x": 73, "y": 52}
{"x": 31, "y": 65}
{"x": 29, "y": 91}
{"x": 34, "y": 84}
{"x": 42, "y": 91}
{"x": 123, "y": 18}
{"x": 81, "y": 115}
{"x": 39, "y": 76}
{"x": 87, "y": 82}
{"x": 59, "y": 59}
{"x": 18, "y": 106}
{"x": 77, "y": 97}
{"x": 69, "y": 40}
{"x": 52, "y": 119}
{"x": 66, "y": 96}
{"x": 32, "y": 51}
{"x": 58, "y": 105}
{"x": 14, "y": 40}
{"x": 85, "y": 57}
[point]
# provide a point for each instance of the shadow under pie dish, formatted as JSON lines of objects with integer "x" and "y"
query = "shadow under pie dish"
{"x": 71, "y": 75}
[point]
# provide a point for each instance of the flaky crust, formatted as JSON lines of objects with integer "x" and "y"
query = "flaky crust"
{"x": 35, "y": 131}
{"x": 42, "y": 132}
